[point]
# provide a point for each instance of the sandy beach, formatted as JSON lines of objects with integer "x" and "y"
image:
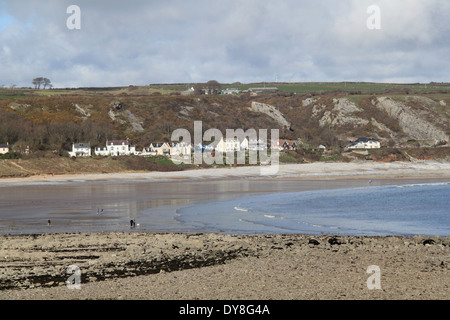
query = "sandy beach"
{"x": 137, "y": 265}
{"x": 317, "y": 170}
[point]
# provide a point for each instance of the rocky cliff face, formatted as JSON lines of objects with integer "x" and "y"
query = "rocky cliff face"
{"x": 342, "y": 112}
{"x": 392, "y": 120}
{"x": 272, "y": 112}
{"x": 418, "y": 123}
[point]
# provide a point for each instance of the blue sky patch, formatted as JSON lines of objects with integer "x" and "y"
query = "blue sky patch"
{"x": 5, "y": 18}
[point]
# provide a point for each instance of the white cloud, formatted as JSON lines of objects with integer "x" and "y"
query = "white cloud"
{"x": 141, "y": 42}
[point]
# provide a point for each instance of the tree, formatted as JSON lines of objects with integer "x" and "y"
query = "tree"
{"x": 213, "y": 87}
{"x": 47, "y": 83}
{"x": 41, "y": 81}
{"x": 37, "y": 82}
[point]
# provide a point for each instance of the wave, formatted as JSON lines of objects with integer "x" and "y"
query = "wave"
{"x": 240, "y": 209}
{"x": 429, "y": 184}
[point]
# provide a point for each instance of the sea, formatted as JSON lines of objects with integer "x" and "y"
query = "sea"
{"x": 242, "y": 206}
{"x": 406, "y": 210}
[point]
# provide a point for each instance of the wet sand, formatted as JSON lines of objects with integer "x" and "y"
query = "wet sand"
{"x": 72, "y": 203}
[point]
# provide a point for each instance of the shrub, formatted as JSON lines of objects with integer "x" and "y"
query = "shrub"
{"x": 9, "y": 155}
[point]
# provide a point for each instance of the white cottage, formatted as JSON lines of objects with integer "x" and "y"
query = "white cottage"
{"x": 116, "y": 148}
{"x": 231, "y": 145}
{"x": 4, "y": 148}
{"x": 180, "y": 148}
{"x": 365, "y": 143}
{"x": 80, "y": 150}
{"x": 257, "y": 144}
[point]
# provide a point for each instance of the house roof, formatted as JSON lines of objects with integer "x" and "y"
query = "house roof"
{"x": 366, "y": 140}
{"x": 282, "y": 141}
{"x": 117, "y": 142}
{"x": 157, "y": 144}
{"x": 82, "y": 145}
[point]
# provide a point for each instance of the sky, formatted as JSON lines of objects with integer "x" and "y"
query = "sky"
{"x": 141, "y": 42}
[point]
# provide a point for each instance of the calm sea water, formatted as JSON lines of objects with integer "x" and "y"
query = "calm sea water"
{"x": 346, "y": 207}
{"x": 422, "y": 208}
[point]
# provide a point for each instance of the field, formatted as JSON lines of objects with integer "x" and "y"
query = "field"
{"x": 351, "y": 87}
{"x": 13, "y": 93}
{"x": 354, "y": 88}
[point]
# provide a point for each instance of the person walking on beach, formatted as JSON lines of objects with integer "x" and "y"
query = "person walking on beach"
{"x": 49, "y": 222}
{"x": 131, "y": 224}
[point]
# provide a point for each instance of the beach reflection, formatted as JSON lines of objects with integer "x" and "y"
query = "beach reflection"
{"x": 89, "y": 206}
{"x": 92, "y": 206}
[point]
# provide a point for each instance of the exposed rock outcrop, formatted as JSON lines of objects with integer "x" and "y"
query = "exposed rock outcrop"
{"x": 413, "y": 122}
{"x": 341, "y": 114}
{"x": 272, "y": 112}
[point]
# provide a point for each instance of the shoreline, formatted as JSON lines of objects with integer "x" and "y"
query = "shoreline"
{"x": 178, "y": 266}
{"x": 136, "y": 193}
{"x": 310, "y": 171}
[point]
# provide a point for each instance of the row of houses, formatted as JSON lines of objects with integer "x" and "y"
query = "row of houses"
{"x": 125, "y": 148}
